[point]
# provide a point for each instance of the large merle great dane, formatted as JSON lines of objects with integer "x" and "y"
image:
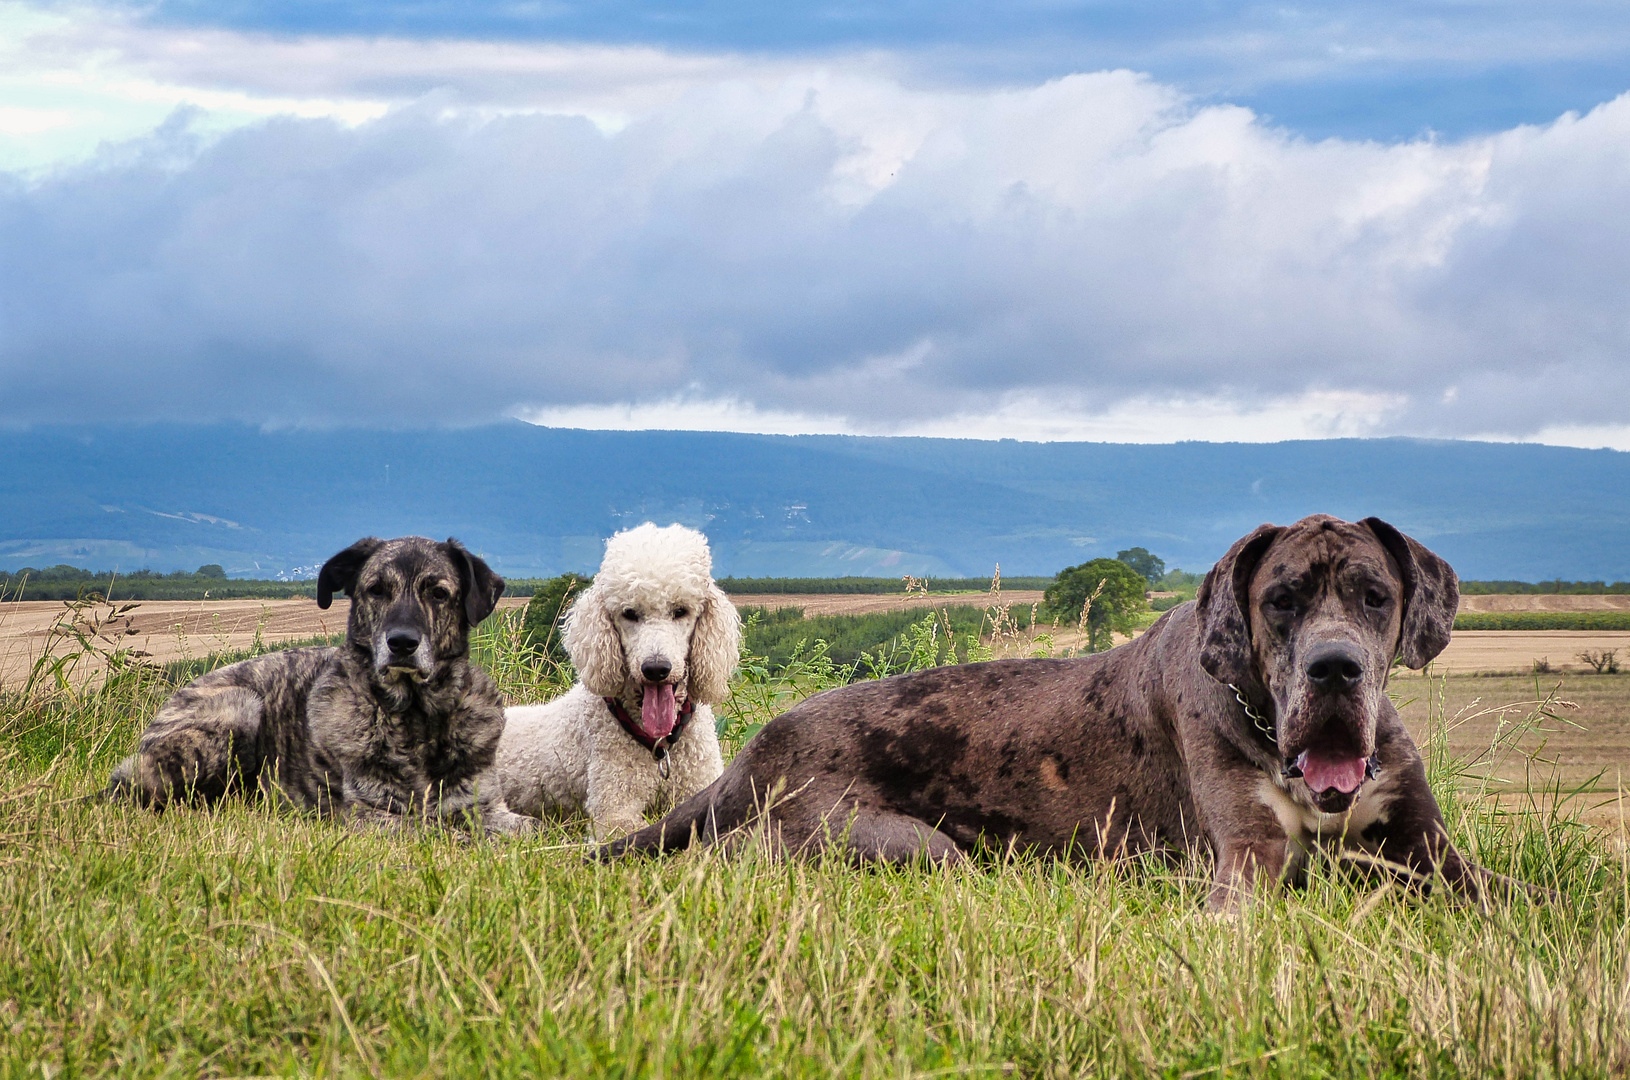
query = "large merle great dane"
{"x": 1253, "y": 722}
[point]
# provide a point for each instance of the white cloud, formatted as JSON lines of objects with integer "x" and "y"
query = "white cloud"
{"x": 428, "y": 232}
{"x": 1314, "y": 415}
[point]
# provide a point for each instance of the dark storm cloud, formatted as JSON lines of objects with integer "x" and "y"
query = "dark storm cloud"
{"x": 823, "y": 242}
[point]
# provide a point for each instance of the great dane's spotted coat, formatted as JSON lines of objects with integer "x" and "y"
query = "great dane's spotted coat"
{"x": 1252, "y": 722}
{"x": 394, "y": 725}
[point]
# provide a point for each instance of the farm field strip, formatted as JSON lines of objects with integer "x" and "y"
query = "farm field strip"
{"x": 186, "y": 629}
{"x": 179, "y": 629}
{"x": 175, "y": 630}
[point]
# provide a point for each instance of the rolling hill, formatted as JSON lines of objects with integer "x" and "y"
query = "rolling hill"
{"x": 538, "y": 500}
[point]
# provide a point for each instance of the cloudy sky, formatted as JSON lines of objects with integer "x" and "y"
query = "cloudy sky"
{"x": 1041, "y": 219}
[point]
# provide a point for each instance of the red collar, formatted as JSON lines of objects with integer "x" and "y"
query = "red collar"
{"x": 639, "y": 733}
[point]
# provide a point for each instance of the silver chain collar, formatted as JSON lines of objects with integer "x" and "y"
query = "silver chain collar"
{"x": 1262, "y": 722}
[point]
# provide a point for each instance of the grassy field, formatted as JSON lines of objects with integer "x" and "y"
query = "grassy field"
{"x": 237, "y": 943}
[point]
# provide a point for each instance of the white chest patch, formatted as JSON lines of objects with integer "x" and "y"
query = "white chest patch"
{"x": 1308, "y": 825}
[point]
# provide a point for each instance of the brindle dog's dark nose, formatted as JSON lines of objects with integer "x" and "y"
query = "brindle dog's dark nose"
{"x": 1335, "y": 665}
{"x": 403, "y": 641}
{"x": 655, "y": 670}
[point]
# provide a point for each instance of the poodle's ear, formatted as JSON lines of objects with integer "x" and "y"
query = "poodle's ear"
{"x": 715, "y": 647}
{"x": 339, "y": 574}
{"x": 595, "y": 646}
{"x": 1431, "y": 595}
{"x": 1223, "y": 606}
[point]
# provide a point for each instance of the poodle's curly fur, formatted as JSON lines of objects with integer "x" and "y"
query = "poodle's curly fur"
{"x": 653, "y": 617}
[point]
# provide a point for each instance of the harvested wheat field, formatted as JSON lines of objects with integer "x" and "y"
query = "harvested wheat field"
{"x": 1544, "y": 602}
{"x": 1527, "y": 737}
{"x": 169, "y": 630}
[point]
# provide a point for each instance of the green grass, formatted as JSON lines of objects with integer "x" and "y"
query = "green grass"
{"x": 779, "y": 634}
{"x": 240, "y": 943}
{"x": 1543, "y": 620}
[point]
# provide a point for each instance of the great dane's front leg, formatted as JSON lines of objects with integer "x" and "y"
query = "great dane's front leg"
{"x": 1411, "y": 834}
{"x": 1245, "y": 864}
{"x": 1251, "y": 841}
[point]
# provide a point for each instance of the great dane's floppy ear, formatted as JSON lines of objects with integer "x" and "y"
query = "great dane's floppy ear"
{"x": 481, "y": 586}
{"x": 1225, "y": 625}
{"x": 339, "y": 574}
{"x": 1431, "y": 595}
{"x": 594, "y": 645}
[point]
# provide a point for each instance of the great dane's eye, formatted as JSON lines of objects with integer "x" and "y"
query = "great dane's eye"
{"x": 378, "y": 588}
{"x": 441, "y": 594}
{"x": 631, "y": 615}
{"x": 1375, "y": 599}
{"x": 681, "y": 612}
{"x": 1283, "y": 604}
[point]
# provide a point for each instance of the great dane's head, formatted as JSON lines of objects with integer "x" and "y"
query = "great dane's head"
{"x": 1307, "y": 619}
{"x": 414, "y": 602}
{"x": 654, "y": 628}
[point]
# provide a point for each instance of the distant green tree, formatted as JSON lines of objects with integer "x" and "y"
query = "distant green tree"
{"x": 212, "y": 570}
{"x": 1152, "y": 567}
{"x": 541, "y": 625}
{"x": 1116, "y": 608}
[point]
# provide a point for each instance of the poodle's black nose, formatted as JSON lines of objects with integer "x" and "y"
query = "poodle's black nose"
{"x": 403, "y": 641}
{"x": 655, "y": 670}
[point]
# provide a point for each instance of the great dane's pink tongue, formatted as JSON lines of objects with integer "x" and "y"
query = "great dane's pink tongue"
{"x": 657, "y": 711}
{"x": 1325, "y": 771}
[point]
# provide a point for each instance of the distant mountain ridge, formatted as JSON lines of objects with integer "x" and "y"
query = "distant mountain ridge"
{"x": 538, "y": 501}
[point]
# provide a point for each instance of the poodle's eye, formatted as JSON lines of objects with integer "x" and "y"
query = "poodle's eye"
{"x": 631, "y": 615}
{"x": 441, "y": 594}
{"x": 378, "y": 588}
{"x": 681, "y": 612}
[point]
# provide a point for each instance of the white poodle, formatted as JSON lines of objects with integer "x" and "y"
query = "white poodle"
{"x": 654, "y": 641}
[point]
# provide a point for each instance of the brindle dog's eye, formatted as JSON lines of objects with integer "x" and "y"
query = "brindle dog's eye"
{"x": 681, "y": 612}
{"x": 441, "y": 594}
{"x": 1375, "y": 599}
{"x": 631, "y": 615}
{"x": 1284, "y": 603}
{"x": 377, "y": 589}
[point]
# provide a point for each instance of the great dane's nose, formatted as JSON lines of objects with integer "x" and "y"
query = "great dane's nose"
{"x": 1335, "y": 665}
{"x": 403, "y": 641}
{"x": 655, "y": 670}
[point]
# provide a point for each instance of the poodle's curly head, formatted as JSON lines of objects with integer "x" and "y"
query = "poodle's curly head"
{"x": 654, "y": 616}
{"x": 651, "y": 568}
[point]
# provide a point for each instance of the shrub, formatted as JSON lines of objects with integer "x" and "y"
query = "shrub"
{"x": 1603, "y": 662}
{"x": 541, "y": 626}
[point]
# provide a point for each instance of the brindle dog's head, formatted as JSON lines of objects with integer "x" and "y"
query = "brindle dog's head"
{"x": 1307, "y": 619}
{"x": 413, "y": 602}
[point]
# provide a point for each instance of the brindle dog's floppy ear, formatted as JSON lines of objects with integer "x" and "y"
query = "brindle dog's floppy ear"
{"x": 1431, "y": 595}
{"x": 481, "y": 586}
{"x": 1225, "y": 625}
{"x": 339, "y": 574}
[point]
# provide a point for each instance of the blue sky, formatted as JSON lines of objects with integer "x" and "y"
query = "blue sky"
{"x": 1046, "y": 220}
{"x": 1382, "y": 70}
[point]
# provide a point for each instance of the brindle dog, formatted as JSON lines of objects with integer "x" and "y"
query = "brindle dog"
{"x": 1253, "y": 722}
{"x": 396, "y": 724}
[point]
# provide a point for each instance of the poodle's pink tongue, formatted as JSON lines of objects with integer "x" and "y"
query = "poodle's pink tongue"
{"x": 1325, "y": 771}
{"x": 657, "y": 712}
